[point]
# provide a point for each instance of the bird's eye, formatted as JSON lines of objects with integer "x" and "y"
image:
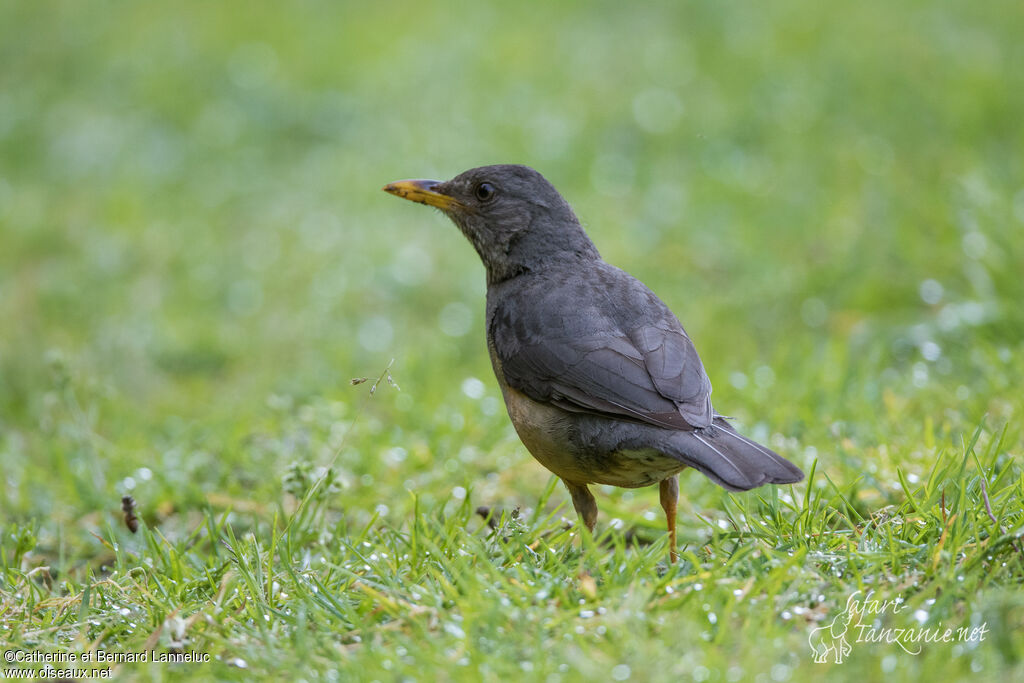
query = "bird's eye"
{"x": 485, "y": 191}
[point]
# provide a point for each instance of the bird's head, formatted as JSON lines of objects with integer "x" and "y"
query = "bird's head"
{"x": 512, "y": 215}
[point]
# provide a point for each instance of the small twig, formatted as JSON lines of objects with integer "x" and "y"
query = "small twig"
{"x": 384, "y": 376}
{"x": 988, "y": 509}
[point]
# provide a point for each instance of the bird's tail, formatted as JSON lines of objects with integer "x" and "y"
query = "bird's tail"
{"x": 731, "y": 460}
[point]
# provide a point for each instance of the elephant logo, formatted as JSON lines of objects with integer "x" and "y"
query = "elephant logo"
{"x": 832, "y": 638}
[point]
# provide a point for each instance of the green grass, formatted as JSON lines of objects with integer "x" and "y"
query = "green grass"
{"x": 196, "y": 259}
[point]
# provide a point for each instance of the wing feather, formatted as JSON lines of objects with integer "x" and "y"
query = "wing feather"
{"x": 630, "y": 360}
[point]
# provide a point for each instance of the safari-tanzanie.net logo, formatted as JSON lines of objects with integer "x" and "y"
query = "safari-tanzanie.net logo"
{"x": 864, "y": 621}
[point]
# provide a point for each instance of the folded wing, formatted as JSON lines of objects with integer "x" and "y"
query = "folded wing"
{"x": 632, "y": 360}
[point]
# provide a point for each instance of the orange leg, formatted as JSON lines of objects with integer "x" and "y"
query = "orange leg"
{"x": 669, "y": 497}
{"x": 583, "y": 501}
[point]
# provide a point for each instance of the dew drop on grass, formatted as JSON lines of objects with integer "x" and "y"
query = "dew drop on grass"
{"x": 930, "y": 350}
{"x": 931, "y": 291}
{"x": 454, "y": 630}
{"x": 473, "y": 388}
{"x": 920, "y": 375}
{"x": 489, "y": 405}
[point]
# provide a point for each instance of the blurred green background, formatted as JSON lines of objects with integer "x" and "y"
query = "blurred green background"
{"x": 196, "y": 257}
{"x": 831, "y": 200}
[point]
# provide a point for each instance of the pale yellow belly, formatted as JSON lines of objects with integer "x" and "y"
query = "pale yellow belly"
{"x": 544, "y": 430}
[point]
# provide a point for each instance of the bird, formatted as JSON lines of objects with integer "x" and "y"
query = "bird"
{"x": 601, "y": 382}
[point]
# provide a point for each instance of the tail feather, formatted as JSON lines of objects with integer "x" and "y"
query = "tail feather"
{"x": 731, "y": 460}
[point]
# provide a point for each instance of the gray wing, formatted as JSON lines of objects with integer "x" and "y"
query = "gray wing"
{"x": 616, "y": 350}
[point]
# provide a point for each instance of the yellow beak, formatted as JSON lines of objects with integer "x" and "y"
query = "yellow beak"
{"x": 422, "y": 191}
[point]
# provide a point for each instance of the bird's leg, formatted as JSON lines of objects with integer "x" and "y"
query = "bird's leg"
{"x": 583, "y": 501}
{"x": 669, "y": 496}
